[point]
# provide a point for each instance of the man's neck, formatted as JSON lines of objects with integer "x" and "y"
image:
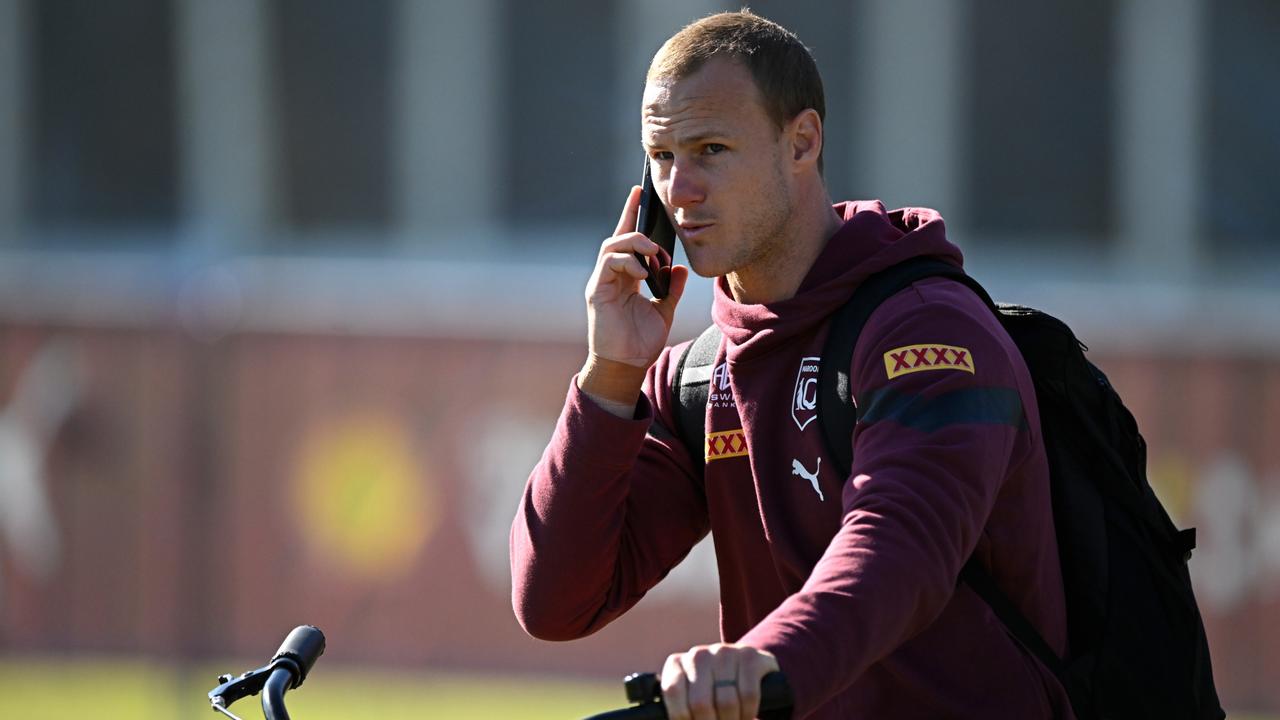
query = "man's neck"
{"x": 778, "y": 276}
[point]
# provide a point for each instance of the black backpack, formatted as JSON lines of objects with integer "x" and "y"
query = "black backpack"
{"x": 1137, "y": 642}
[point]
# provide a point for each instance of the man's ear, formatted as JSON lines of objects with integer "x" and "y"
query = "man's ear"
{"x": 805, "y": 132}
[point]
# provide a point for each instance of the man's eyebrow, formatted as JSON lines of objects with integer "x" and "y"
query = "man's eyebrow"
{"x": 693, "y": 139}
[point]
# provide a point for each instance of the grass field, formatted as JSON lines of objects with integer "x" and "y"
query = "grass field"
{"x": 121, "y": 690}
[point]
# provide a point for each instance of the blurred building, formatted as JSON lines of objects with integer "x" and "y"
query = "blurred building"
{"x": 267, "y": 219}
{"x": 1126, "y": 149}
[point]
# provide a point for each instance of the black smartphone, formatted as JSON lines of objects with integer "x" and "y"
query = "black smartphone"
{"x": 652, "y": 221}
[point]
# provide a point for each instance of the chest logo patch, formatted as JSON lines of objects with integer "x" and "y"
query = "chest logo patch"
{"x": 721, "y": 392}
{"x": 804, "y": 399}
{"x": 725, "y": 444}
{"x": 918, "y": 358}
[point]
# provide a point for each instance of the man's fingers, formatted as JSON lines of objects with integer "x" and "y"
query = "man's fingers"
{"x": 748, "y": 695}
{"x": 700, "y": 690}
{"x": 630, "y": 212}
{"x": 625, "y": 264}
{"x": 716, "y": 682}
{"x": 724, "y": 668}
{"x": 751, "y": 671}
{"x": 675, "y": 689}
{"x": 727, "y": 703}
{"x": 629, "y": 242}
{"x": 678, "y": 278}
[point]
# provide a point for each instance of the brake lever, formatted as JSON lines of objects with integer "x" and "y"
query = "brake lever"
{"x": 232, "y": 688}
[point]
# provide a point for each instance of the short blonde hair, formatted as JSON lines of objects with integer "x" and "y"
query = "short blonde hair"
{"x": 781, "y": 66}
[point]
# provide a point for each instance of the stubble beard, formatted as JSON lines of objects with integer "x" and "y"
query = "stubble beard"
{"x": 766, "y": 244}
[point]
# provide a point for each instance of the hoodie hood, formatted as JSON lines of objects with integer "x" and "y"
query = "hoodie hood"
{"x": 870, "y": 240}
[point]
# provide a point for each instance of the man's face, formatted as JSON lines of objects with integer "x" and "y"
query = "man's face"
{"x": 717, "y": 163}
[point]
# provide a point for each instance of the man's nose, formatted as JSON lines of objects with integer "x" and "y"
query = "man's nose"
{"x": 685, "y": 186}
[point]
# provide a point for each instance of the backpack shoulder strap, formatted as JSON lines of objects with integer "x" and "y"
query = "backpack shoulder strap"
{"x": 690, "y": 391}
{"x": 837, "y": 414}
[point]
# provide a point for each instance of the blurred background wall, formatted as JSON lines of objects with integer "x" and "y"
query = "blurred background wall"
{"x": 290, "y": 290}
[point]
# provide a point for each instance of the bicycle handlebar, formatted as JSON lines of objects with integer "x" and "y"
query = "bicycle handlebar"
{"x": 643, "y": 688}
{"x": 305, "y": 644}
{"x": 286, "y": 671}
{"x": 278, "y": 683}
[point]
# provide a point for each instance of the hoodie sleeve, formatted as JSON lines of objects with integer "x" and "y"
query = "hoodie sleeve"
{"x": 610, "y": 509}
{"x": 942, "y": 423}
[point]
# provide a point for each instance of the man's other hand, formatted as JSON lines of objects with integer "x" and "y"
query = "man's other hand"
{"x": 715, "y": 682}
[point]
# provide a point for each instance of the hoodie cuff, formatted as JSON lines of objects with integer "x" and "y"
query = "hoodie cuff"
{"x": 598, "y": 436}
{"x": 795, "y": 666}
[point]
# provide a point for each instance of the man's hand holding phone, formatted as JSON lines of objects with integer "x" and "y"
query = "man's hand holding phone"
{"x": 626, "y": 331}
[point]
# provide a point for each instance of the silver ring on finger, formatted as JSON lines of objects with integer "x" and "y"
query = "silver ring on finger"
{"x": 725, "y": 684}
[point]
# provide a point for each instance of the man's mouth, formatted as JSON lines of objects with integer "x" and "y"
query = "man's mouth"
{"x": 691, "y": 230}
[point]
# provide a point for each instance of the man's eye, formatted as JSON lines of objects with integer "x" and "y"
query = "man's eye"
{"x": 660, "y": 155}
{"x": 714, "y": 148}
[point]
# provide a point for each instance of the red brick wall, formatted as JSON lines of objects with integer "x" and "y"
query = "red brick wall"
{"x": 208, "y": 497}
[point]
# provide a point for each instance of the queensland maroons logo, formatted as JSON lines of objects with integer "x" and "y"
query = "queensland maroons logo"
{"x": 804, "y": 400}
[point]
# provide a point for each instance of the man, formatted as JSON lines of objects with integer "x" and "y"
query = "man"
{"x": 846, "y": 584}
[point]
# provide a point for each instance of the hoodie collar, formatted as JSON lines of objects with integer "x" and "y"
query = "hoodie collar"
{"x": 870, "y": 240}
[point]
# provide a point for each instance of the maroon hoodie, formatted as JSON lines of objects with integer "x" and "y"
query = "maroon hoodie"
{"x": 849, "y": 581}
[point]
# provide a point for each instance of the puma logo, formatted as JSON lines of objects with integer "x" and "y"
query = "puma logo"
{"x": 812, "y": 477}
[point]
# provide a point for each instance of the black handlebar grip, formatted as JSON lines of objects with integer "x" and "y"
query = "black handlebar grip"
{"x": 775, "y": 697}
{"x": 304, "y": 646}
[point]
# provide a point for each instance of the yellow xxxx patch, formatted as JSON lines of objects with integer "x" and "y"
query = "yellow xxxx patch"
{"x": 725, "y": 444}
{"x": 918, "y": 358}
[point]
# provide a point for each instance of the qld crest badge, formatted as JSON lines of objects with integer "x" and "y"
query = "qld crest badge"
{"x": 804, "y": 399}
